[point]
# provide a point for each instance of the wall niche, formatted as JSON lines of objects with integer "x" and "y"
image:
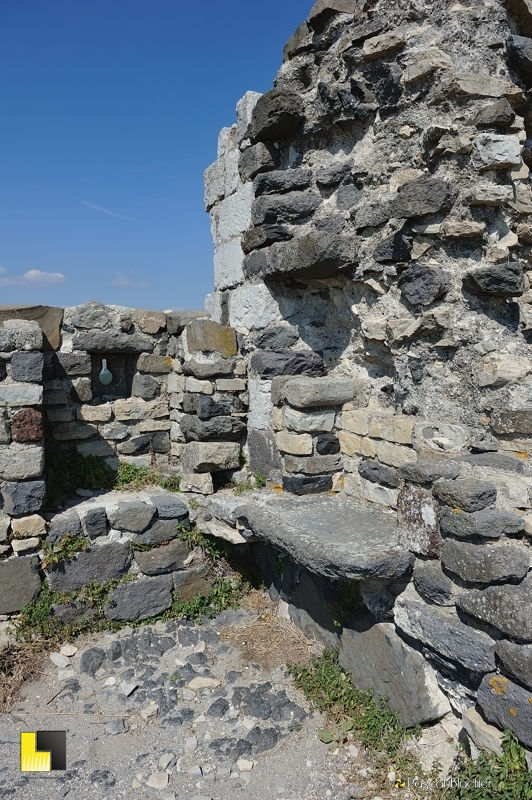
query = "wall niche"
{"x": 121, "y": 366}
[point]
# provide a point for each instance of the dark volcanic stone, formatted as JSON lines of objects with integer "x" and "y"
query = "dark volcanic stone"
{"x": 100, "y": 563}
{"x": 27, "y": 426}
{"x": 506, "y": 705}
{"x": 259, "y": 158}
{"x": 327, "y": 444}
{"x": 488, "y": 523}
{"x": 496, "y": 280}
{"x": 277, "y": 115}
{"x": 278, "y": 337}
{"x": 507, "y": 608}
{"x": 299, "y": 484}
{"x": 300, "y": 41}
{"x": 497, "y": 115}
{"x": 136, "y": 446}
{"x": 23, "y": 497}
{"x": 145, "y": 386}
{"x": 91, "y": 660}
{"x": 66, "y": 364}
{"x": 516, "y": 660}
{"x": 273, "y": 208}
{"x": 27, "y": 367}
{"x": 422, "y": 285}
{"x": 231, "y": 749}
{"x": 494, "y": 461}
{"x": 334, "y": 224}
{"x": 347, "y": 196}
{"x": 431, "y": 582}
{"x": 386, "y": 82}
{"x": 67, "y": 522}
{"x": 519, "y": 49}
{"x": 270, "y": 363}
{"x": 264, "y": 456}
{"x": 283, "y": 180}
{"x": 394, "y": 248}
{"x": 160, "y": 442}
{"x": 324, "y": 10}
{"x": 333, "y": 175}
{"x": 263, "y": 236}
{"x": 215, "y": 429}
{"x": 161, "y": 560}
{"x": 314, "y": 255}
{"x": 425, "y": 195}
{"x": 218, "y": 708}
{"x": 262, "y": 740}
{"x": 95, "y": 522}
{"x": 203, "y": 406}
{"x": 426, "y": 472}
{"x": 19, "y": 583}
{"x": 468, "y": 494}
{"x": 484, "y": 563}
{"x": 376, "y": 472}
{"x": 161, "y": 531}
{"x": 140, "y": 599}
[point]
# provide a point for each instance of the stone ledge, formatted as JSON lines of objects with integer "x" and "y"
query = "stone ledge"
{"x": 331, "y": 536}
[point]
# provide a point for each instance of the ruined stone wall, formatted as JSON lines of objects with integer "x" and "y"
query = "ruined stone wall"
{"x": 373, "y": 253}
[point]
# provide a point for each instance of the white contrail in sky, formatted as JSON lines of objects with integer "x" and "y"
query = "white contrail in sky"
{"x": 106, "y": 211}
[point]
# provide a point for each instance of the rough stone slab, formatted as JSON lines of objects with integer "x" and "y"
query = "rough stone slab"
{"x": 432, "y": 583}
{"x": 425, "y": 62}
{"x": 283, "y": 180}
{"x": 488, "y": 523}
{"x": 20, "y": 394}
{"x": 494, "y": 461}
{"x": 269, "y": 363}
{"x": 23, "y": 497}
{"x": 507, "y": 608}
{"x": 149, "y": 321}
{"x": 307, "y": 484}
{"x": 259, "y": 158}
{"x": 443, "y": 631}
{"x": 196, "y": 430}
{"x": 378, "y": 659}
{"x": 93, "y": 521}
{"x": 468, "y": 494}
{"x": 168, "y": 504}
{"x": 203, "y": 406}
{"x": 426, "y": 472}
{"x": 134, "y": 408}
{"x": 372, "y": 470}
{"x": 485, "y": 563}
{"x": 331, "y": 536}
{"x": 130, "y": 515}
{"x": 506, "y": 705}
{"x": 140, "y": 599}
{"x": 161, "y": 531}
{"x": 22, "y": 335}
{"x": 98, "y": 341}
{"x": 312, "y": 465}
{"x": 99, "y": 563}
{"x": 485, "y": 736}
{"x": 516, "y": 660}
{"x": 492, "y": 151}
{"x": 324, "y": 10}
{"x": 498, "y": 369}
{"x": 314, "y": 255}
{"x": 210, "y": 456}
{"x": 311, "y": 421}
{"x": 19, "y": 462}
{"x": 161, "y": 560}
{"x": 496, "y": 280}
{"x": 418, "y": 521}
{"x": 144, "y": 386}
{"x": 204, "y": 335}
{"x": 19, "y": 583}
{"x": 197, "y": 483}
{"x": 278, "y": 208}
{"x": 48, "y": 318}
{"x": 263, "y": 452}
{"x": 521, "y": 10}
{"x": 316, "y": 392}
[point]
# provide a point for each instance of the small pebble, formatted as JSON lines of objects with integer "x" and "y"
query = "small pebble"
{"x": 65, "y": 674}
{"x": 149, "y": 712}
{"x": 190, "y": 745}
{"x": 158, "y": 780}
{"x": 60, "y": 660}
{"x": 244, "y": 765}
{"x": 68, "y": 650}
{"x": 165, "y": 760}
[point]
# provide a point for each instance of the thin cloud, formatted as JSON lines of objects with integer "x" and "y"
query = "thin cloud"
{"x": 129, "y": 282}
{"x": 32, "y": 277}
{"x": 106, "y": 211}
{"x": 2, "y": 271}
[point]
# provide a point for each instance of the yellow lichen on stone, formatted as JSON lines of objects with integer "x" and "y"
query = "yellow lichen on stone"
{"x": 499, "y": 684}
{"x": 513, "y": 712}
{"x": 457, "y": 510}
{"x": 522, "y": 455}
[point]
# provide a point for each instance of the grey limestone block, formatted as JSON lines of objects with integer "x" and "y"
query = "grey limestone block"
{"x": 19, "y": 583}
{"x": 468, "y": 494}
{"x": 101, "y": 563}
{"x": 516, "y": 660}
{"x": 164, "y": 559}
{"x": 140, "y": 599}
{"x": 432, "y": 583}
{"x": 507, "y": 608}
{"x": 210, "y": 456}
{"x": 426, "y": 472}
{"x": 485, "y": 563}
{"x": 487, "y": 523}
{"x": 507, "y": 705}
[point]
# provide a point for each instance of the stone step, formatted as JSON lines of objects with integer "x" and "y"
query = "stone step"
{"x": 331, "y": 536}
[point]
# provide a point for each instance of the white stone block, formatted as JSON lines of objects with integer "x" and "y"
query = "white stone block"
{"x": 491, "y": 151}
{"x": 295, "y": 444}
{"x": 244, "y": 110}
{"x": 200, "y": 483}
{"x": 253, "y": 307}
{"x": 232, "y": 216}
{"x": 376, "y": 493}
{"x": 499, "y": 369}
{"x": 394, "y": 455}
{"x": 228, "y": 263}
{"x": 260, "y": 404}
{"x": 311, "y": 421}
{"x": 226, "y": 140}
{"x": 214, "y": 183}
{"x": 201, "y": 387}
{"x": 213, "y": 306}
{"x": 232, "y": 177}
{"x": 20, "y": 462}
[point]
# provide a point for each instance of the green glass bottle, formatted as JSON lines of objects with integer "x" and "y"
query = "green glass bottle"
{"x": 105, "y": 376}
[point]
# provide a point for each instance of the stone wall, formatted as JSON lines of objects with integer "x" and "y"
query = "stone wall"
{"x": 371, "y": 222}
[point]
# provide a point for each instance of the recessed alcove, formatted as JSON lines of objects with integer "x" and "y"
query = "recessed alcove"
{"x": 123, "y": 368}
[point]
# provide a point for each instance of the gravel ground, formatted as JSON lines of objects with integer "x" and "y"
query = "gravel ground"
{"x": 173, "y": 711}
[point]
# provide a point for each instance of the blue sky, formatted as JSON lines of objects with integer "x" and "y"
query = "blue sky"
{"x": 110, "y": 112}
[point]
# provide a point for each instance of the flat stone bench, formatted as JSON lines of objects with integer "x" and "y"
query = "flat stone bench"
{"x": 332, "y": 536}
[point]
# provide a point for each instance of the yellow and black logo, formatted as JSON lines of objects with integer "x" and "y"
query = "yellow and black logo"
{"x": 399, "y": 784}
{"x": 42, "y": 751}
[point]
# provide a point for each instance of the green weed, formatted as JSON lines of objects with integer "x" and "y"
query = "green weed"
{"x": 225, "y": 594}
{"x": 129, "y": 476}
{"x": 67, "y": 546}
